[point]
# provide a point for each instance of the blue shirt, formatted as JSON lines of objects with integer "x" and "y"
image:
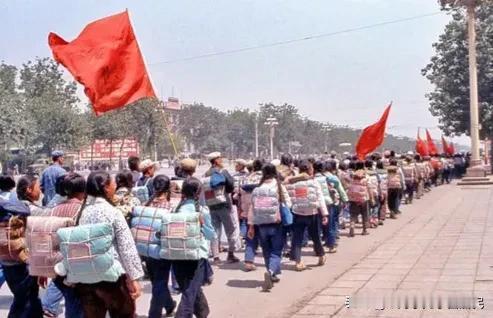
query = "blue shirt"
{"x": 48, "y": 181}
{"x": 146, "y": 181}
{"x": 8, "y": 196}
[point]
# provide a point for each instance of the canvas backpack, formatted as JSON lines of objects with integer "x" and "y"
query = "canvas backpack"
{"x": 13, "y": 247}
{"x": 214, "y": 189}
{"x": 142, "y": 192}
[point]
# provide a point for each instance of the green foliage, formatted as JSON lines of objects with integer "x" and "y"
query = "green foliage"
{"x": 40, "y": 111}
{"x": 449, "y": 73}
{"x": 51, "y": 107}
{"x": 233, "y": 132}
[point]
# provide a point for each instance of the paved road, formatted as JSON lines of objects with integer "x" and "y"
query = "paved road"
{"x": 440, "y": 245}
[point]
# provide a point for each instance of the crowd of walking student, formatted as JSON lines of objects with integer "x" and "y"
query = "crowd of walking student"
{"x": 92, "y": 240}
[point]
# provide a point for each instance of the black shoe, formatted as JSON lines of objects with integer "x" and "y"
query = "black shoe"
{"x": 232, "y": 258}
{"x": 267, "y": 286}
{"x": 170, "y": 312}
{"x": 275, "y": 279}
{"x": 365, "y": 232}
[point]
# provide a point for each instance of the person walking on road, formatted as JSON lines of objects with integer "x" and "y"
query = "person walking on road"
{"x": 192, "y": 274}
{"x": 264, "y": 220}
{"x": 217, "y": 187}
{"x": 308, "y": 199}
{"x": 50, "y": 175}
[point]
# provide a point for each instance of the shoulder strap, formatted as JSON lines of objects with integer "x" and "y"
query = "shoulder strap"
{"x": 280, "y": 193}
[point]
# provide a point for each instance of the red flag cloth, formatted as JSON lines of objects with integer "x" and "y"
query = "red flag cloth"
{"x": 106, "y": 59}
{"x": 445, "y": 146}
{"x": 372, "y": 136}
{"x": 432, "y": 149}
{"x": 421, "y": 147}
{"x": 452, "y": 149}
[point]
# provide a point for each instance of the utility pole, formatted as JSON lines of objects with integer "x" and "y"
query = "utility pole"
{"x": 473, "y": 82}
{"x": 272, "y": 123}
{"x": 256, "y": 135}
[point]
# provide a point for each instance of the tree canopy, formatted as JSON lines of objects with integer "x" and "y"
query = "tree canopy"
{"x": 40, "y": 111}
{"x": 449, "y": 73}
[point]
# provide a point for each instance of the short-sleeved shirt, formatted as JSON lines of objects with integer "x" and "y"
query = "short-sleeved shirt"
{"x": 48, "y": 181}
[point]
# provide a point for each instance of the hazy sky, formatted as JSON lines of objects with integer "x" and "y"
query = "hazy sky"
{"x": 344, "y": 79}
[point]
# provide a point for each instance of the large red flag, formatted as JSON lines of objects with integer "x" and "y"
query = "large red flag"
{"x": 421, "y": 146}
{"x": 372, "y": 136}
{"x": 432, "y": 149}
{"x": 106, "y": 59}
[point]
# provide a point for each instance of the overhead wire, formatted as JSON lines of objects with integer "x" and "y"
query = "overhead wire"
{"x": 305, "y": 38}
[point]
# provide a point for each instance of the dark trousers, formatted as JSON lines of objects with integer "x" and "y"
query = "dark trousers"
{"x": 190, "y": 276}
{"x": 300, "y": 223}
{"x": 355, "y": 209}
{"x": 106, "y": 297}
{"x": 333, "y": 226}
{"x": 26, "y": 303}
{"x": 73, "y": 306}
{"x": 393, "y": 200}
{"x": 410, "y": 190}
{"x": 158, "y": 270}
{"x": 272, "y": 242}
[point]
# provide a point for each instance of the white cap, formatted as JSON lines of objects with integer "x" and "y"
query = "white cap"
{"x": 146, "y": 164}
{"x": 276, "y": 162}
{"x": 214, "y": 155}
{"x": 241, "y": 162}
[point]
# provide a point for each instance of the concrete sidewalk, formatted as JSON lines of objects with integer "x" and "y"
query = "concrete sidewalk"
{"x": 442, "y": 252}
{"x": 439, "y": 245}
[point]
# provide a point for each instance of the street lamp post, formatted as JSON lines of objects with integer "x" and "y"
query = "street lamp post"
{"x": 272, "y": 123}
{"x": 476, "y": 169}
{"x": 327, "y": 129}
{"x": 473, "y": 82}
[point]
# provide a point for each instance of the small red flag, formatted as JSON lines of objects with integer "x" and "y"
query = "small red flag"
{"x": 445, "y": 146}
{"x": 106, "y": 59}
{"x": 432, "y": 149}
{"x": 372, "y": 136}
{"x": 452, "y": 149}
{"x": 421, "y": 146}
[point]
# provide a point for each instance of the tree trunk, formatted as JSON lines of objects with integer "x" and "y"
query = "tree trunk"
{"x": 491, "y": 152}
{"x": 92, "y": 154}
{"x": 120, "y": 155}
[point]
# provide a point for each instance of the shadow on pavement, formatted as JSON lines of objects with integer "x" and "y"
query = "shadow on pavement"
{"x": 248, "y": 283}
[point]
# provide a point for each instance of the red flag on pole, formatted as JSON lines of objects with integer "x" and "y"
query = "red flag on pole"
{"x": 452, "y": 149}
{"x": 372, "y": 136}
{"x": 421, "y": 146}
{"x": 445, "y": 146}
{"x": 106, "y": 59}
{"x": 432, "y": 149}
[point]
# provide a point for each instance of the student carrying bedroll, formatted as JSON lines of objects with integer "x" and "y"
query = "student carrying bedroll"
{"x": 13, "y": 250}
{"x": 308, "y": 202}
{"x": 217, "y": 187}
{"x": 44, "y": 248}
{"x": 146, "y": 227}
{"x": 99, "y": 254}
{"x": 360, "y": 197}
{"x": 265, "y": 221}
{"x": 184, "y": 241}
{"x": 251, "y": 182}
